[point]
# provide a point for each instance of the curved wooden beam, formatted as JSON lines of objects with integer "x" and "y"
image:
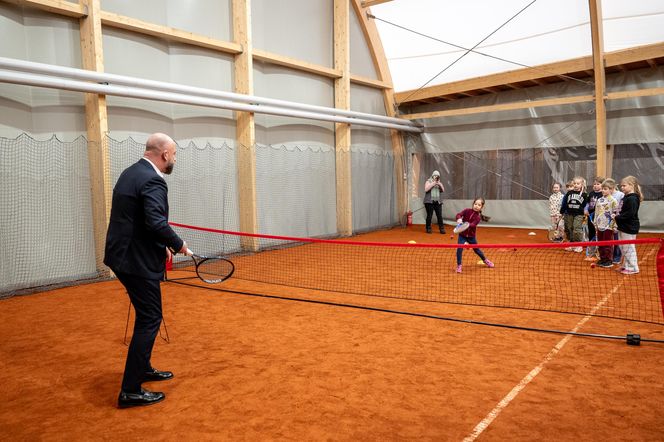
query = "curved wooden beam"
{"x": 600, "y": 85}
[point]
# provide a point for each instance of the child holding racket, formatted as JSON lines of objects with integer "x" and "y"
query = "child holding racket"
{"x": 605, "y": 207}
{"x": 569, "y": 186}
{"x": 574, "y": 203}
{"x": 618, "y": 196}
{"x": 593, "y": 196}
{"x": 473, "y": 217}
{"x": 628, "y": 222}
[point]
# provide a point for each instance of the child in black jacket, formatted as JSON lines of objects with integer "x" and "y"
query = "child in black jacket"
{"x": 574, "y": 203}
{"x": 628, "y": 222}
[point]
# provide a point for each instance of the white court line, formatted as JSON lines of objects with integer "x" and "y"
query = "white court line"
{"x": 479, "y": 428}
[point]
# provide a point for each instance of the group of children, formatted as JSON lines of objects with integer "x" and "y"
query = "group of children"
{"x": 608, "y": 213}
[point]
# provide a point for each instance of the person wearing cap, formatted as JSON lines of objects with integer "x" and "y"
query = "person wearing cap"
{"x": 433, "y": 200}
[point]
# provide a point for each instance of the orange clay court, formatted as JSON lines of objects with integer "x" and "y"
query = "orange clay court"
{"x": 271, "y": 367}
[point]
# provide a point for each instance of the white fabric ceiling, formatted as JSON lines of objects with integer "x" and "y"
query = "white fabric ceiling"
{"x": 546, "y": 31}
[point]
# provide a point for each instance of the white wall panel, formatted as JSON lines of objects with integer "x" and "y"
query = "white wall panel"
{"x": 13, "y": 45}
{"x": 32, "y": 35}
{"x": 286, "y": 84}
{"x": 146, "y": 57}
{"x": 12, "y": 33}
{"x": 152, "y": 11}
{"x": 361, "y": 62}
{"x": 135, "y": 55}
{"x": 301, "y": 29}
{"x": 211, "y": 18}
{"x": 367, "y": 99}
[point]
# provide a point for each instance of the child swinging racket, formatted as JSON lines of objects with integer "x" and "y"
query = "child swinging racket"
{"x": 471, "y": 217}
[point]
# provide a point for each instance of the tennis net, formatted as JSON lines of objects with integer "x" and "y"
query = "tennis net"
{"x": 543, "y": 277}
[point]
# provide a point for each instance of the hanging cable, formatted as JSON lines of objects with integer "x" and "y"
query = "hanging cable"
{"x": 468, "y": 50}
{"x": 568, "y": 77}
{"x": 471, "y": 49}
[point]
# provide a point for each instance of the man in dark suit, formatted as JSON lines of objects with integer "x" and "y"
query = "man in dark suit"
{"x": 138, "y": 243}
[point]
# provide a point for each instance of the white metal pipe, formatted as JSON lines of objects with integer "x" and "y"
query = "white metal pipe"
{"x": 124, "y": 91}
{"x": 82, "y": 74}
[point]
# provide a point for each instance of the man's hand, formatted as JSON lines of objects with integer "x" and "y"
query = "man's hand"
{"x": 185, "y": 250}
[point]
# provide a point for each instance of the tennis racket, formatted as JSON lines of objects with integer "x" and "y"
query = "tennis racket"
{"x": 213, "y": 269}
{"x": 584, "y": 228}
{"x": 462, "y": 227}
{"x": 590, "y": 250}
{"x": 603, "y": 221}
{"x": 555, "y": 233}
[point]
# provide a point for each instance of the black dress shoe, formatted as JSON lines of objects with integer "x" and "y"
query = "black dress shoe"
{"x": 156, "y": 375}
{"x": 143, "y": 397}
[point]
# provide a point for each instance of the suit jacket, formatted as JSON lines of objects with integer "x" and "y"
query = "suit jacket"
{"x": 138, "y": 231}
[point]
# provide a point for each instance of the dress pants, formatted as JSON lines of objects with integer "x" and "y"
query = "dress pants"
{"x": 145, "y": 296}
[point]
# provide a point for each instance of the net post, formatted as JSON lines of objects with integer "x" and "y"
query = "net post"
{"x": 660, "y": 274}
{"x": 169, "y": 262}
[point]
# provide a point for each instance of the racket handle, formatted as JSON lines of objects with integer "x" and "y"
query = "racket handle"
{"x": 189, "y": 252}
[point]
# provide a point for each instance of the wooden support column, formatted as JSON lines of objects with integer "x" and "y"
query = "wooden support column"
{"x": 380, "y": 63}
{"x": 96, "y": 121}
{"x": 245, "y": 131}
{"x": 609, "y": 161}
{"x": 600, "y": 84}
{"x": 342, "y": 130}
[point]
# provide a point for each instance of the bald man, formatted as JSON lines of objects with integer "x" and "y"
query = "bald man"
{"x": 138, "y": 243}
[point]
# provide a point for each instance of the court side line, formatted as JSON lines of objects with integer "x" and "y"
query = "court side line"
{"x": 493, "y": 414}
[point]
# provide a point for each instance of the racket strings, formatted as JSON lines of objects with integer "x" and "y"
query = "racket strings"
{"x": 214, "y": 269}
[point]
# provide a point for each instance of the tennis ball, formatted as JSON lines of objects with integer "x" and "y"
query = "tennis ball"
{"x": 412, "y": 242}
{"x": 480, "y": 263}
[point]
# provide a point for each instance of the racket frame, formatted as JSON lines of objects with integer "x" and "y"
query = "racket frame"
{"x": 461, "y": 227}
{"x": 200, "y": 259}
{"x": 555, "y": 233}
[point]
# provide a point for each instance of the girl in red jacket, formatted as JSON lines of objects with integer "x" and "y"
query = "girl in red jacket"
{"x": 473, "y": 217}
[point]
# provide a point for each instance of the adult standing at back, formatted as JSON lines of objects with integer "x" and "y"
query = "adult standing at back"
{"x": 433, "y": 200}
{"x": 138, "y": 243}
